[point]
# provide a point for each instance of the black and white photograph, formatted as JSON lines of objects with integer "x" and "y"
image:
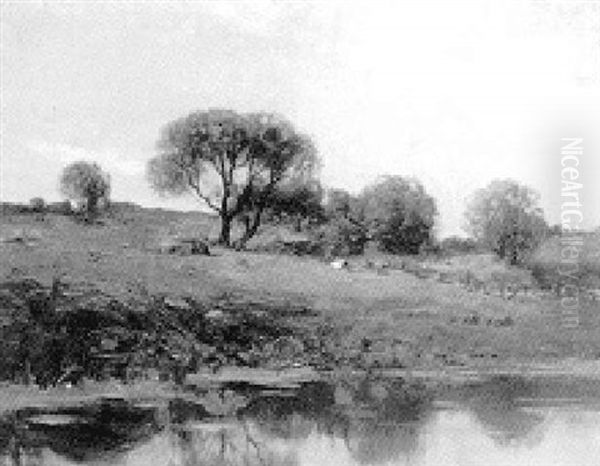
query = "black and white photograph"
{"x": 300, "y": 233}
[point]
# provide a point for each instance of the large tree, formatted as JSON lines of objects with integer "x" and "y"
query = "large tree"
{"x": 87, "y": 184}
{"x": 506, "y": 217}
{"x": 398, "y": 213}
{"x": 232, "y": 162}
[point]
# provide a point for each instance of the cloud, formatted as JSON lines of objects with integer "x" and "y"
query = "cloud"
{"x": 109, "y": 160}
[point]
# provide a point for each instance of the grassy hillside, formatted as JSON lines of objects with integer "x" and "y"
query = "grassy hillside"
{"x": 404, "y": 315}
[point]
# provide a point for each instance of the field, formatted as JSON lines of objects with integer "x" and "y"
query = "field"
{"x": 378, "y": 312}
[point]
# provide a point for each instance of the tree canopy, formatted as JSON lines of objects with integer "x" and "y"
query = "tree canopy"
{"x": 506, "y": 217}
{"x": 232, "y": 162}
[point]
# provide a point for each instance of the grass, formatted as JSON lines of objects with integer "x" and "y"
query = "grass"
{"x": 398, "y": 319}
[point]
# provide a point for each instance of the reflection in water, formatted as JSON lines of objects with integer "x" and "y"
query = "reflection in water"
{"x": 384, "y": 418}
{"x": 225, "y": 444}
{"x": 352, "y": 422}
{"x": 497, "y": 404}
{"x": 81, "y": 434}
{"x": 377, "y": 419}
{"x": 456, "y": 438}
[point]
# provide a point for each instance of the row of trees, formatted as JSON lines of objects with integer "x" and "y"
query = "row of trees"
{"x": 394, "y": 212}
{"x": 248, "y": 167}
{"x": 256, "y": 167}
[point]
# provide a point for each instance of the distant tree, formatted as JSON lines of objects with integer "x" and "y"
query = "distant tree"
{"x": 505, "y": 217}
{"x": 399, "y": 214}
{"x": 87, "y": 184}
{"x": 37, "y": 205}
{"x": 232, "y": 162}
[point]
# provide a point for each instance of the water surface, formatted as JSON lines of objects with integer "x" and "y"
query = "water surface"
{"x": 356, "y": 421}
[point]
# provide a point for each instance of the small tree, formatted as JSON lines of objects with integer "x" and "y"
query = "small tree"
{"x": 399, "y": 214}
{"x": 37, "y": 205}
{"x": 231, "y": 162}
{"x": 505, "y": 217}
{"x": 87, "y": 184}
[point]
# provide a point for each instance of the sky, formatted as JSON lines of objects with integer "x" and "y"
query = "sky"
{"x": 455, "y": 93}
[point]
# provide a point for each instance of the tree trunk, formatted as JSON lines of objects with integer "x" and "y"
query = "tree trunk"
{"x": 251, "y": 227}
{"x": 28, "y": 379}
{"x": 225, "y": 236}
{"x": 92, "y": 207}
